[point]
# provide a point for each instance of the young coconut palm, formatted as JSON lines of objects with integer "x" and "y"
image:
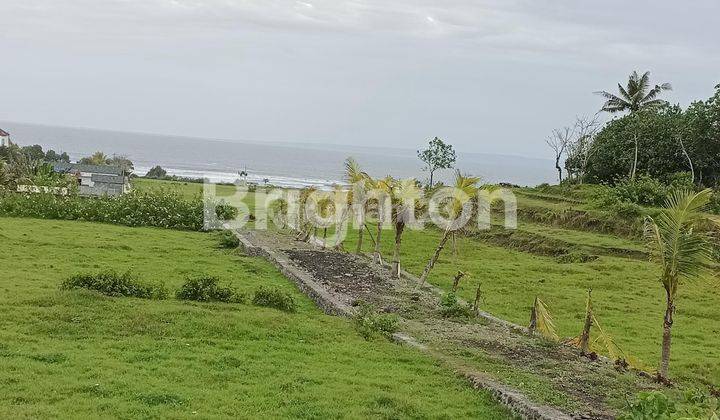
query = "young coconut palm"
{"x": 358, "y": 181}
{"x": 681, "y": 252}
{"x": 383, "y": 189}
{"x": 406, "y": 200}
{"x": 462, "y": 193}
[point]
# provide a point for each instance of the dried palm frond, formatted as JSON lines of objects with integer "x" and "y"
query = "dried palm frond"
{"x": 541, "y": 321}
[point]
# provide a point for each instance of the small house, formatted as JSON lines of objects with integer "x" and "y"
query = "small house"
{"x": 97, "y": 180}
{"x": 4, "y": 138}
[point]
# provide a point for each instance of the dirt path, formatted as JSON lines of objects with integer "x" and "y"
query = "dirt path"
{"x": 548, "y": 373}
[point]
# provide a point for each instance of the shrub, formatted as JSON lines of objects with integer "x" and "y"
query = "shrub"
{"x": 225, "y": 211}
{"x": 207, "y": 289}
{"x": 649, "y": 406}
{"x": 158, "y": 208}
{"x": 228, "y": 240}
{"x": 274, "y": 298}
{"x": 369, "y": 323}
{"x": 451, "y": 308}
{"x": 627, "y": 211}
{"x": 113, "y": 284}
{"x": 714, "y": 205}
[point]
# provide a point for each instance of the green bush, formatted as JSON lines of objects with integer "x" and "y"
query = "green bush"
{"x": 369, "y": 323}
{"x": 695, "y": 404}
{"x": 451, "y": 308}
{"x": 228, "y": 240}
{"x": 207, "y": 289}
{"x": 627, "y": 211}
{"x": 226, "y": 211}
{"x": 158, "y": 208}
{"x": 113, "y": 284}
{"x": 643, "y": 190}
{"x": 274, "y": 298}
{"x": 714, "y": 206}
{"x": 652, "y": 405}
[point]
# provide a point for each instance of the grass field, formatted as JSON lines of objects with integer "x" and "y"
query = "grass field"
{"x": 628, "y": 298}
{"x": 80, "y": 354}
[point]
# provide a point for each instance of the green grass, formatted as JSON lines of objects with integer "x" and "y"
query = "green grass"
{"x": 628, "y": 298}
{"x": 80, "y": 354}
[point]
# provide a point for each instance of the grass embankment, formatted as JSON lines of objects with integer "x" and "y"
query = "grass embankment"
{"x": 93, "y": 356}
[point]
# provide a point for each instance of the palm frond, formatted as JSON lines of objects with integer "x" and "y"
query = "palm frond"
{"x": 682, "y": 251}
{"x": 541, "y": 321}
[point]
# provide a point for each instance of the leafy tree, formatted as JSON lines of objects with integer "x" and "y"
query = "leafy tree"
{"x": 681, "y": 252}
{"x": 53, "y": 156}
{"x": 97, "y": 158}
{"x": 34, "y": 152}
{"x": 658, "y": 129}
{"x": 157, "y": 173}
{"x": 438, "y": 155}
{"x": 122, "y": 162}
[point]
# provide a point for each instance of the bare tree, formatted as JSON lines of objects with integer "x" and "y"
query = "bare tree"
{"x": 558, "y": 142}
{"x": 581, "y": 146}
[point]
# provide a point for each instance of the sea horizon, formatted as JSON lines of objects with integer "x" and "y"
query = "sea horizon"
{"x": 283, "y": 164}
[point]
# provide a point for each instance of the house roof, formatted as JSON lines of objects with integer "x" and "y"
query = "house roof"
{"x": 94, "y": 169}
{"x": 3, "y": 133}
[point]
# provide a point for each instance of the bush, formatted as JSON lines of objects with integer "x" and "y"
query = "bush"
{"x": 451, "y": 308}
{"x": 113, "y": 284}
{"x": 158, "y": 208}
{"x": 649, "y": 406}
{"x": 228, "y": 240}
{"x": 369, "y": 323}
{"x": 206, "y": 289}
{"x": 225, "y": 211}
{"x": 643, "y": 190}
{"x": 274, "y": 298}
{"x": 627, "y": 211}
{"x": 714, "y": 205}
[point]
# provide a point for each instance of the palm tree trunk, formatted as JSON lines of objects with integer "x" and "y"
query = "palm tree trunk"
{"x": 667, "y": 338}
{"x": 435, "y": 257}
{"x": 360, "y": 239}
{"x": 399, "y": 228}
{"x": 378, "y": 254}
{"x": 634, "y": 167}
{"x": 692, "y": 168}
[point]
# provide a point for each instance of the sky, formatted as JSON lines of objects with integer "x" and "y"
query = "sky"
{"x": 490, "y": 76}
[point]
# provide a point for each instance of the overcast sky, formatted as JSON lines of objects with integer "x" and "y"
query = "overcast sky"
{"x": 488, "y": 76}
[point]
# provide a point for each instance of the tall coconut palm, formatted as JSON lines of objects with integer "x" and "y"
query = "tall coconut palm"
{"x": 406, "y": 202}
{"x": 463, "y": 191}
{"x": 681, "y": 252}
{"x": 636, "y": 96}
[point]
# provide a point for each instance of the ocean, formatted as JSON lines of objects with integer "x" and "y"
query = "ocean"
{"x": 281, "y": 164}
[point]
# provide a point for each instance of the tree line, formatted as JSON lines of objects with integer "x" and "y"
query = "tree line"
{"x": 651, "y": 137}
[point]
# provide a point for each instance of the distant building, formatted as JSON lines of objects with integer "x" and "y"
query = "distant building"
{"x": 4, "y": 138}
{"x": 97, "y": 180}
